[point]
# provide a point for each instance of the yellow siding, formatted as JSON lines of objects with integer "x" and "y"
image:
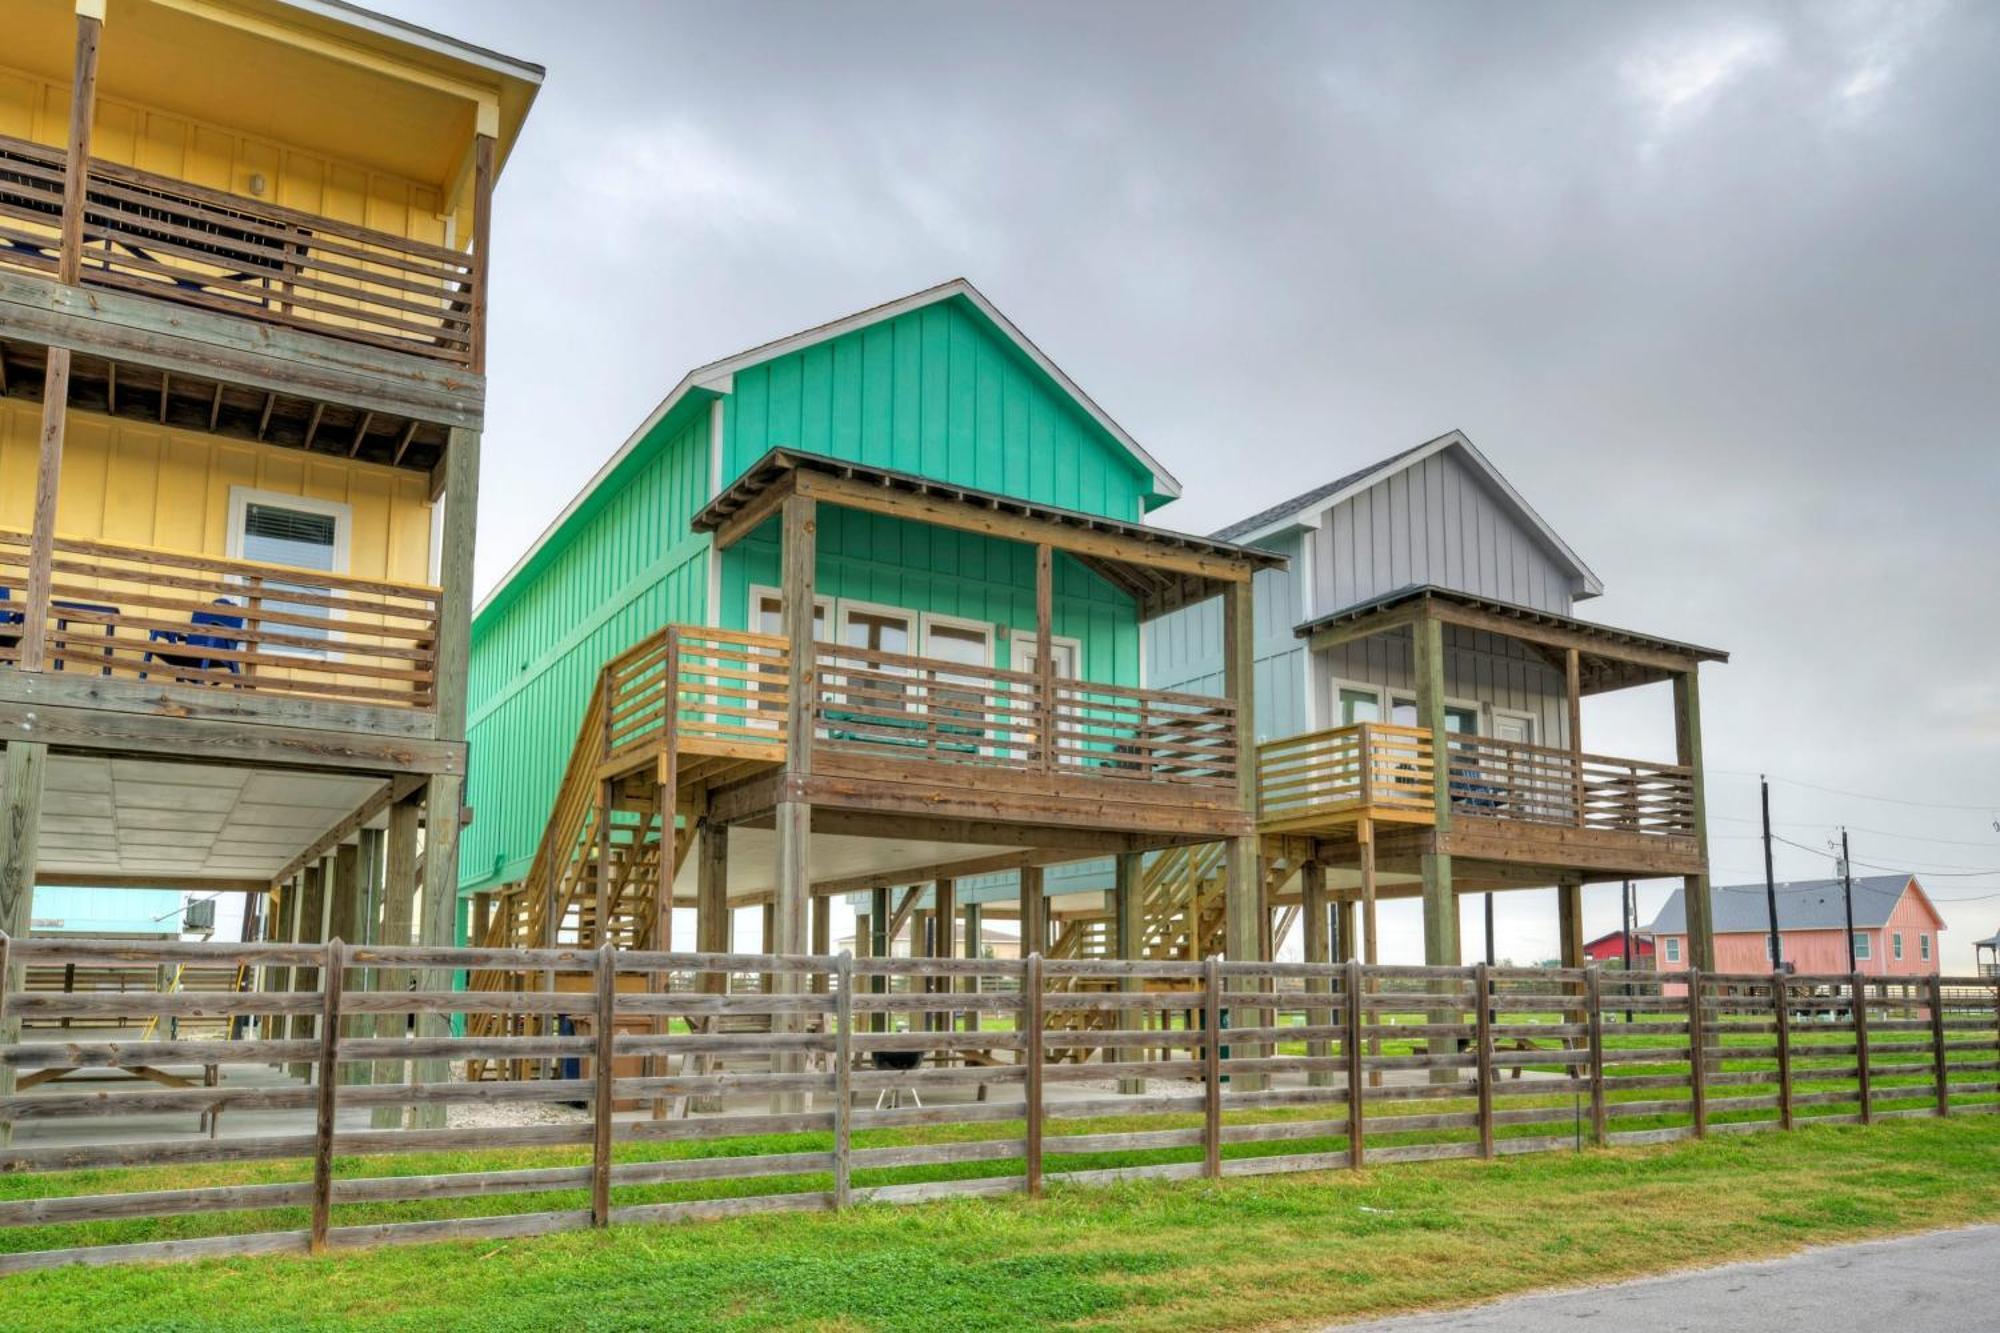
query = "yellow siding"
{"x": 141, "y": 485}
{"x": 32, "y": 107}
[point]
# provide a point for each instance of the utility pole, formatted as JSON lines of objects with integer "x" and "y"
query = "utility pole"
{"x": 1770, "y": 880}
{"x": 1847, "y": 893}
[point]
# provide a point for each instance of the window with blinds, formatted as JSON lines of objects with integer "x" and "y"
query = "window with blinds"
{"x": 275, "y": 535}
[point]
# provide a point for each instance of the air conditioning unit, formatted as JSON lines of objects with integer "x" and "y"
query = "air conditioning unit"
{"x": 199, "y": 916}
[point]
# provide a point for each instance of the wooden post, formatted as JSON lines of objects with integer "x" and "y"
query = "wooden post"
{"x": 454, "y": 643}
{"x": 1313, "y": 908}
{"x": 1687, "y": 747}
{"x": 9, "y": 1033}
{"x": 1593, "y": 990}
{"x": 1031, "y": 1024}
{"x": 843, "y": 1079}
{"x": 1356, "y": 1064}
{"x": 1573, "y": 698}
{"x": 944, "y": 918}
{"x": 439, "y": 926}
{"x": 1244, "y": 892}
{"x": 975, "y": 946}
{"x": 329, "y": 1052}
{"x": 1034, "y": 925}
{"x": 309, "y": 927}
{"x": 25, "y": 765}
{"x": 1857, "y": 990}
{"x": 398, "y": 923}
{"x": 1440, "y": 905}
{"x": 1045, "y": 667}
{"x": 1482, "y": 1037}
{"x": 1697, "y": 1053}
{"x": 76, "y": 165}
{"x": 601, "y": 1100}
{"x": 482, "y": 248}
{"x": 1781, "y": 1014}
{"x": 1211, "y": 1067}
{"x": 1938, "y": 1061}
{"x": 1129, "y": 908}
{"x": 880, "y": 945}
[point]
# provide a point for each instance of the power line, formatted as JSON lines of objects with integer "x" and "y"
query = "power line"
{"x": 1984, "y": 808}
{"x": 1987, "y": 843}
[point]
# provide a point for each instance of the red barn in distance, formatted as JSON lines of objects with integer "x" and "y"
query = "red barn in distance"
{"x": 1610, "y": 948}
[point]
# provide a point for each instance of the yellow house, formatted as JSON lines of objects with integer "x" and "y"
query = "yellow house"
{"x": 243, "y": 253}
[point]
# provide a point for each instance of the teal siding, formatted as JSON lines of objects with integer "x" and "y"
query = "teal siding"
{"x": 874, "y": 558}
{"x": 632, "y": 567}
{"x": 936, "y": 392}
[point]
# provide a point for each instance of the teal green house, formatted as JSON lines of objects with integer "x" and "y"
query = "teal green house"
{"x": 938, "y": 384}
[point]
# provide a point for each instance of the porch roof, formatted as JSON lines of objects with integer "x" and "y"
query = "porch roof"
{"x": 1160, "y": 568}
{"x": 1609, "y": 658}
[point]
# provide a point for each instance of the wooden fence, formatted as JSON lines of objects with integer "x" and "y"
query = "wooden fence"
{"x": 819, "y": 1082}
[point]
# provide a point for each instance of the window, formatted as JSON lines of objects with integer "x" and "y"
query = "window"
{"x": 291, "y": 530}
{"x": 1353, "y": 705}
{"x": 1673, "y": 948}
{"x": 1863, "y": 946}
{"x": 1459, "y": 719}
{"x": 1767, "y": 950}
{"x": 767, "y": 613}
{"x": 1924, "y": 947}
{"x": 1896, "y": 945}
{"x": 1064, "y": 655}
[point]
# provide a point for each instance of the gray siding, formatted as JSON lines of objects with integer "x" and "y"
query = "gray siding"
{"x": 1436, "y": 521}
{"x": 1478, "y": 667}
{"x": 1184, "y": 648}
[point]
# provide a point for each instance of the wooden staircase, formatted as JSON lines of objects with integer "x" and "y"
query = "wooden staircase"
{"x": 678, "y": 712}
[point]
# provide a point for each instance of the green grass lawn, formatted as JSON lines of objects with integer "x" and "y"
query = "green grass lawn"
{"x": 1293, "y": 1249}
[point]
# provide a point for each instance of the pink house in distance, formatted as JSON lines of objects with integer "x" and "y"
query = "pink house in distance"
{"x": 1896, "y": 928}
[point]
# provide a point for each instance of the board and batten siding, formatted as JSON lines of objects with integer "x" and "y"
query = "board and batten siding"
{"x": 1435, "y": 521}
{"x": 937, "y": 392}
{"x": 136, "y": 483}
{"x": 1184, "y": 648}
{"x": 630, "y": 568}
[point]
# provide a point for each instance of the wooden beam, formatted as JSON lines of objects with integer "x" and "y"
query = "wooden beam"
{"x": 444, "y": 801}
{"x": 1364, "y": 627}
{"x": 25, "y": 766}
{"x": 948, "y": 513}
{"x": 396, "y": 789}
{"x": 963, "y": 867}
{"x": 360, "y": 434}
{"x": 1555, "y": 636}
{"x": 312, "y": 426}
{"x": 165, "y": 699}
{"x": 399, "y": 909}
{"x": 120, "y": 327}
{"x": 34, "y": 643}
{"x": 64, "y": 879}
{"x": 483, "y": 173}
{"x": 1045, "y": 666}
{"x": 402, "y": 442}
{"x": 461, "y": 523}
{"x": 1694, "y": 888}
{"x": 76, "y": 166}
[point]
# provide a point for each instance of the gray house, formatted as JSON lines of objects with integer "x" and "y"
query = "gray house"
{"x": 1426, "y": 615}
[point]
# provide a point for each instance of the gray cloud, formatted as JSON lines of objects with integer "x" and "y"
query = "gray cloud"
{"x": 1714, "y": 284}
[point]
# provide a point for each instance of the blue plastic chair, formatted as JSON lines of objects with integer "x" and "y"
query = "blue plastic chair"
{"x": 10, "y": 619}
{"x": 220, "y": 620}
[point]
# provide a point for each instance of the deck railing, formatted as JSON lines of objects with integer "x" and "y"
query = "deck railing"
{"x": 180, "y": 242}
{"x": 136, "y": 613}
{"x": 662, "y": 1099}
{"x": 893, "y": 704}
{"x": 1370, "y": 765}
{"x": 727, "y": 690}
{"x": 1389, "y": 770}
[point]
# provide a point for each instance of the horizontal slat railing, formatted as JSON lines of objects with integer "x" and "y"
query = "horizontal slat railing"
{"x": 181, "y": 242}
{"x": 1543, "y": 785}
{"x": 143, "y": 614}
{"x": 889, "y": 704}
{"x": 725, "y": 689}
{"x": 815, "y": 1082}
{"x": 1368, "y": 765}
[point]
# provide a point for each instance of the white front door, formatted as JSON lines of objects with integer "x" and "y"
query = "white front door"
{"x": 1513, "y": 727}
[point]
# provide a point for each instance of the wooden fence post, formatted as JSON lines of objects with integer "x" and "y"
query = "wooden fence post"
{"x": 1211, "y": 1068}
{"x": 1781, "y": 1012}
{"x": 6, "y": 1037}
{"x": 1857, "y": 990}
{"x": 601, "y": 1101}
{"x": 1031, "y": 1025}
{"x": 331, "y": 976}
{"x": 843, "y": 1079}
{"x": 1357, "y": 1081}
{"x": 1697, "y": 1054}
{"x": 1938, "y": 1062}
{"x": 1593, "y": 990}
{"x": 1482, "y": 1056}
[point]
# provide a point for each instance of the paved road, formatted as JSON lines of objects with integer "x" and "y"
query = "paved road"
{"x": 1943, "y": 1282}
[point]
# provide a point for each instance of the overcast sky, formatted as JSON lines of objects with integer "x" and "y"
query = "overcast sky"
{"x": 1714, "y": 285}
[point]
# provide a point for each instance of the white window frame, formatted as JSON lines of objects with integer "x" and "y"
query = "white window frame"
{"x": 1864, "y": 947}
{"x": 1673, "y": 947}
{"x": 342, "y": 514}
{"x": 1335, "y": 685}
{"x": 1494, "y": 714}
{"x": 1896, "y": 945}
{"x": 1923, "y": 946}
{"x": 1020, "y": 644}
{"x": 986, "y": 629}
{"x": 759, "y": 591}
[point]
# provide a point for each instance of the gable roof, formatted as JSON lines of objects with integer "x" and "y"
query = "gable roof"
{"x": 715, "y": 378}
{"x": 1813, "y": 904}
{"x": 1300, "y": 508}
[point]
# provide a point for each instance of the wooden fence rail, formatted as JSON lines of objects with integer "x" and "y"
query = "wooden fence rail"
{"x": 817, "y": 1082}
